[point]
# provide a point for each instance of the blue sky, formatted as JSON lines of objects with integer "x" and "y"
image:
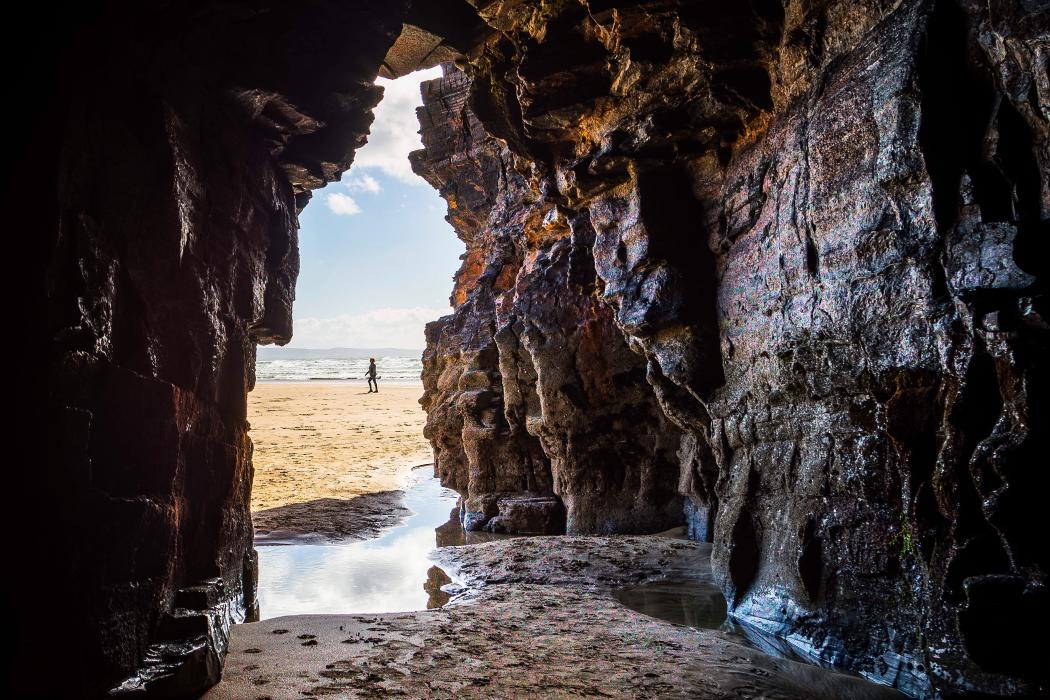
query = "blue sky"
{"x": 377, "y": 256}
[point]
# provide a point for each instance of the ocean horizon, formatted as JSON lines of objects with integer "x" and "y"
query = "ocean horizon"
{"x": 395, "y": 365}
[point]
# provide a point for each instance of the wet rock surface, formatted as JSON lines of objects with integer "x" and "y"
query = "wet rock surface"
{"x": 545, "y": 625}
{"x": 174, "y": 147}
{"x": 773, "y": 269}
{"x": 821, "y": 227}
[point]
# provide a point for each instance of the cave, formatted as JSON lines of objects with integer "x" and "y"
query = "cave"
{"x": 774, "y": 270}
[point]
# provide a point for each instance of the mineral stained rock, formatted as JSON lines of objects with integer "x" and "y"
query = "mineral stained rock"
{"x": 539, "y": 413}
{"x": 824, "y": 227}
{"x": 188, "y": 140}
{"x": 776, "y": 269}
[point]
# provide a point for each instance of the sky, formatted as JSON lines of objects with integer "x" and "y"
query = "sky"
{"x": 376, "y": 255}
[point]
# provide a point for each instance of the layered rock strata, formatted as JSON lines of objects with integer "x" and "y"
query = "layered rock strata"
{"x": 188, "y": 139}
{"x": 824, "y": 228}
{"x": 539, "y": 413}
{"x": 819, "y": 227}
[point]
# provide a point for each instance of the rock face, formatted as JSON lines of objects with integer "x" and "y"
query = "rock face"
{"x": 773, "y": 268}
{"x": 539, "y": 413}
{"x": 479, "y": 449}
{"x": 187, "y": 142}
{"x": 823, "y": 227}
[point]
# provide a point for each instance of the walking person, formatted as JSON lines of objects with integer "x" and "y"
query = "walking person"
{"x": 372, "y": 376}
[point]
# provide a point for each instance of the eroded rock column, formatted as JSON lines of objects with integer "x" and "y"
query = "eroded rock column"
{"x": 538, "y": 411}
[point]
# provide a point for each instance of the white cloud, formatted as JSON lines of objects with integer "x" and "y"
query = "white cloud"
{"x": 342, "y": 204}
{"x": 389, "y": 328}
{"x": 363, "y": 183}
{"x": 395, "y": 129}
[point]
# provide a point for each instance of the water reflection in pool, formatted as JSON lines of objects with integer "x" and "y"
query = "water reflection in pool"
{"x": 696, "y": 604}
{"x": 391, "y": 573}
{"x": 700, "y": 604}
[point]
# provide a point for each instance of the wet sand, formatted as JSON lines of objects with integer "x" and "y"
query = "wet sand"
{"x": 321, "y": 520}
{"x": 536, "y": 618}
{"x": 320, "y": 448}
{"x": 530, "y": 617}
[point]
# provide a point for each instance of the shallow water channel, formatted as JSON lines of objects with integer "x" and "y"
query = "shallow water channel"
{"x": 391, "y": 573}
{"x": 394, "y": 573}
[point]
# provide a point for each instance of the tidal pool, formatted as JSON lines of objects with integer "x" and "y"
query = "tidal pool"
{"x": 391, "y": 573}
{"x": 700, "y": 604}
{"x": 692, "y": 603}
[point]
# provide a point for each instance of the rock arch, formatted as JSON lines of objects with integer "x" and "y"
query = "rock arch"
{"x": 757, "y": 197}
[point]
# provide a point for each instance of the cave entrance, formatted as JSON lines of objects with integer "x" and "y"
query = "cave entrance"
{"x": 344, "y": 500}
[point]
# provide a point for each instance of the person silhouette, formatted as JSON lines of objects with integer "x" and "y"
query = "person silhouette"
{"x": 372, "y": 376}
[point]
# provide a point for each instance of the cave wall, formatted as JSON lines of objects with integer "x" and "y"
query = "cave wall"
{"x": 186, "y": 140}
{"x": 539, "y": 414}
{"x": 481, "y": 449}
{"x": 773, "y": 268}
{"x": 823, "y": 226}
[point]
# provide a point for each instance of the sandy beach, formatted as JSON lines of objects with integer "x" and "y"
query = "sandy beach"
{"x": 330, "y": 445}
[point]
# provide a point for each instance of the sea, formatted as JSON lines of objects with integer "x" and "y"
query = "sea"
{"x": 394, "y": 365}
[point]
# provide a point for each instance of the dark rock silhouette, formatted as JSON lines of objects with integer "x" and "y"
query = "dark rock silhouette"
{"x": 436, "y": 578}
{"x": 773, "y": 269}
{"x": 175, "y": 148}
